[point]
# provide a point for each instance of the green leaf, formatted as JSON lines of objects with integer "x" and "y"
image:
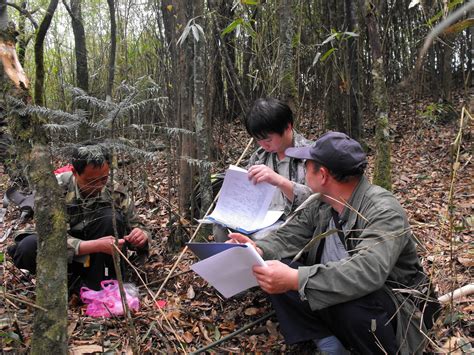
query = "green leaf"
{"x": 459, "y": 26}
{"x": 330, "y": 38}
{"x": 453, "y": 317}
{"x": 327, "y": 54}
{"x": 440, "y": 13}
{"x": 249, "y": 2}
{"x": 217, "y": 333}
{"x": 350, "y": 34}
{"x": 249, "y": 29}
{"x": 233, "y": 25}
{"x": 2, "y": 257}
{"x": 10, "y": 337}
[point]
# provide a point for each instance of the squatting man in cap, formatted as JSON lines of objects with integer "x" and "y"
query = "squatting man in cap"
{"x": 90, "y": 216}
{"x": 361, "y": 288}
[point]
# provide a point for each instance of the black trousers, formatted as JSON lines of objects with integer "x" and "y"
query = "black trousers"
{"x": 100, "y": 266}
{"x": 364, "y": 325}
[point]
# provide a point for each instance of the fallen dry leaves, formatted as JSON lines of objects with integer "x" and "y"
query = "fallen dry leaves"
{"x": 189, "y": 314}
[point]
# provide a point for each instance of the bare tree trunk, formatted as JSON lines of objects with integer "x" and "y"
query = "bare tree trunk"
{"x": 22, "y": 41}
{"x": 185, "y": 115}
{"x": 113, "y": 49}
{"x": 446, "y": 57}
{"x": 50, "y": 326}
{"x": 382, "y": 169}
{"x": 199, "y": 112}
{"x": 333, "y": 108}
{"x": 355, "y": 129}
{"x": 80, "y": 48}
{"x": 50, "y": 321}
{"x": 237, "y": 102}
{"x": 39, "y": 52}
{"x": 287, "y": 76}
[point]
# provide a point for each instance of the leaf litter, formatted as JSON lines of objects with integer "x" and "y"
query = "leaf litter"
{"x": 193, "y": 313}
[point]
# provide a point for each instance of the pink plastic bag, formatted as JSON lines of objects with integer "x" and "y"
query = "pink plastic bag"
{"x": 107, "y": 301}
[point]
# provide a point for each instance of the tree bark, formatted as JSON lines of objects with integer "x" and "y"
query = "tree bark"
{"x": 113, "y": 49}
{"x": 80, "y": 48}
{"x": 382, "y": 169}
{"x": 199, "y": 113}
{"x": 50, "y": 326}
{"x": 50, "y": 321}
{"x": 355, "y": 129}
{"x": 185, "y": 96}
{"x": 287, "y": 76}
{"x": 39, "y": 52}
{"x": 22, "y": 40}
{"x": 333, "y": 107}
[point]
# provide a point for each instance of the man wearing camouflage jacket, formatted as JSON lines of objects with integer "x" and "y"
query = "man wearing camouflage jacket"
{"x": 91, "y": 228}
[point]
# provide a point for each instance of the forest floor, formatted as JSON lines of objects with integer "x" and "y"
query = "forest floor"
{"x": 192, "y": 314}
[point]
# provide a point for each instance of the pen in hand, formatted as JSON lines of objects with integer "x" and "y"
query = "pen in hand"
{"x": 231, "y": 240}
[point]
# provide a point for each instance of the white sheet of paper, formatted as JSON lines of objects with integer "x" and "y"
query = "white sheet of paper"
{"x": 243, "y": 205}
{"x": 230, "y": 271}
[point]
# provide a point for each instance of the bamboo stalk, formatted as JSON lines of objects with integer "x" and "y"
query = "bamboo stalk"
{"x": 457, "y": 294}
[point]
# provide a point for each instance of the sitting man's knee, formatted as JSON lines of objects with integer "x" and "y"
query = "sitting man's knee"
{"x": 24, "y": 253}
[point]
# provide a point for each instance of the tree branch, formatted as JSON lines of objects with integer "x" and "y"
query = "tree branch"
{"x": 24, "y": 12}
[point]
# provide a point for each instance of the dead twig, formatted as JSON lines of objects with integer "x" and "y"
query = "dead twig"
{"x": 231, "y": 335}
{"x": 7, "y": 295}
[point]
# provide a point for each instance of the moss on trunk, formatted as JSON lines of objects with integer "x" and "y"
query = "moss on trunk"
{"x": 49, "y": 335}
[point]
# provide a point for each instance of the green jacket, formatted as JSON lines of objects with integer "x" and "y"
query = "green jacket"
{"x": 383, "y": 255}
{"x": 83, "y": 210}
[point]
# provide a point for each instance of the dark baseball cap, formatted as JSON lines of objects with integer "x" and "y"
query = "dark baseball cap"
{"x": 334, "y": 150}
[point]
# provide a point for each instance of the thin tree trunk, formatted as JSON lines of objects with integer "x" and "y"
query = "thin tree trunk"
{"x": 185, "y": 118}
{"x": 352, "y": 56}
{"x": 200, "y": 118}
{"x": 382, "y": 169}
{"x": 50, "y": 326}
{"x": 113, "y": 49}
{"x": 22, "y": 41}
{"x": 333, "y": 108}
{"x": 80, "y": 48}
{"x": 50, "y": 321}
{"x": 39, "y": 52}
{"x": 236, "y": 99}
{"x": 287, "y": 32}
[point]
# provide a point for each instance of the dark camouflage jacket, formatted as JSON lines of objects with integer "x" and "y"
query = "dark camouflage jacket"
{"x": 84, "y": 208}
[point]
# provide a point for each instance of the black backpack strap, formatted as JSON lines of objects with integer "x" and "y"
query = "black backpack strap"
{"x": 340, "y": 233}
{"x": 319, "y": 252}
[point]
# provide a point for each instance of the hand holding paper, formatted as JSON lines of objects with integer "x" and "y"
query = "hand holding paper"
{"x": 229, "y": 271}
{"x": 276, "y": 277}
{"x": 238, "y": 238}
{"x": 242, "y": 205}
